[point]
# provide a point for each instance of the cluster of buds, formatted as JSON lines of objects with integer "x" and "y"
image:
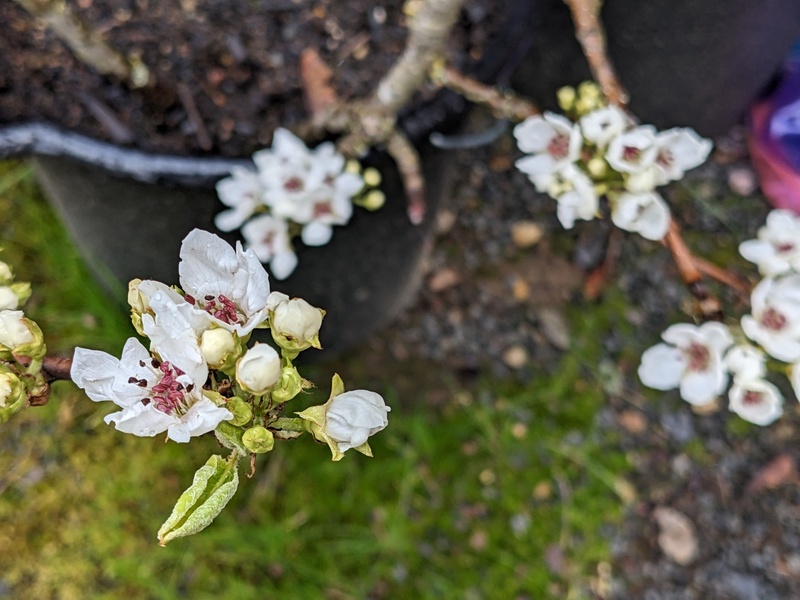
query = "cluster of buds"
{"x": 22, "y": 349}
{"x": 199, "y": 374}
{"x": 597, "y": 150}
{"x": 701, "y": 360}
{"x": 294, "y": 191}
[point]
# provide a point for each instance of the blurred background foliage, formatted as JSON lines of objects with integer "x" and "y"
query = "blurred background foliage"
{"x": 503, "y": 490}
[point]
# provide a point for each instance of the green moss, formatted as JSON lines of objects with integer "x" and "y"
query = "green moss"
{"x": 461, "y": 501}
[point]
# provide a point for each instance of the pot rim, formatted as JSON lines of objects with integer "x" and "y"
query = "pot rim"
{"x": 46, "y": 139}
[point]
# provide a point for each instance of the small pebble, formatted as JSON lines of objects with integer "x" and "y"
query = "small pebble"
{"x": 633, "y": 421}
{"x": 515, "y": 356}
{"x": 742, "y": 181}
{"x": 443, "y": 279}
{"x": 554, "y": 327}
{"x": 526, "y": 234}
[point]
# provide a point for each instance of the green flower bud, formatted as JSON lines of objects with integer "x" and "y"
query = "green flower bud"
{"x": 241, "y": 410}
{"x": 589, "y": 90}
{"x": 566, "y": 98}
{"x": 12, "y": 395}
{"x": 290, "y": 384}
{"x": 597, "y": 167}
{"x": 6, "y": 275}
{"x": 258, "y": 439}
{"x": 373, "y": 200}
{"x": 20, "y": 336}
{"x": 372, "y": 177}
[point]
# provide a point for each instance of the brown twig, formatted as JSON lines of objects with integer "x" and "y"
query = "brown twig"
{"x": 373, "y": 121}
{"x": 590, "y": 35}
{"x": 185, "y": 94}
{"x": 503, "y": 104}
{"x": 89, "y": 46}
{"x": 315, "y": 77}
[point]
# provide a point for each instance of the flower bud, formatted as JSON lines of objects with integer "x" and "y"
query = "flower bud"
{"x": 137, "y": 299}
{"x": 12, "y": 395}
{"x": 566, "y": 97}
{"x": 347, "y": 419}
{"x": 372, "y": 177}
{"x": 597, "y": 167}
{"x": 290, "y": 385}
{"x": 354, "y": 416}
{"x": 216, "y": 345}
{"x": 373, "y": 200}
{"x": 258, "y": 439}
{"x": 241, "y": 410}
{"x": 259, "y": 369}
{"x": 20, "y": 336}
{"x": 6, "y": 275}
{"x": 8, "y": 299}
{"x": 295, "y": 324}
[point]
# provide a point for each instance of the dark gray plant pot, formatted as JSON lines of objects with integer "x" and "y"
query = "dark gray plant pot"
{"x": 130, "y": 224}
{"x": 695, "y": 63}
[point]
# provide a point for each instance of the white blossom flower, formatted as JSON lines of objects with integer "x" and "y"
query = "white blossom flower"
{"x": 259, "y": 369}
{"x": 633, "y": 151}
{"x": 775, "y": 322}
{"x": 679, "y": 150}
{"x": 691, "y": 360}
{"x": 243, "y": 192}
{"x": 307, "y": 186}
{"x": 154, "y": 395}
{"x": 746, "y": 362}
{"x": 777, "y": 248}
{"x": 601, "y": 125}
{"x": 646, "y": 214}
{"x": 268, "y": 237}
{"x": 14, "y": 330}
{"x": 352, "y": 417}
{"x": 552, "y": 141}
{"x": 230, "y": 286}
{"x": 756, "y": 401}
{"x": 577, "y": 200}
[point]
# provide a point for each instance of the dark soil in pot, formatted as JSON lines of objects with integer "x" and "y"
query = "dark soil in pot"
{"x": 225, "y": 72}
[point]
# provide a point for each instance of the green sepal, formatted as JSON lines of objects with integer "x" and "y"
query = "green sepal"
{"x": 291, "y": 383}
{"x": 35, "y": 350}
{"x": 22, "y": 291}
{"x": 241, "y": 410}
{"x": 314, "y": 417}
{"x": 213, "y": 486}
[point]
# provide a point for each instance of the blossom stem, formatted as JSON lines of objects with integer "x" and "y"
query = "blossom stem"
{"x": 503, "y": 104}
{"x": 591, "y": 36}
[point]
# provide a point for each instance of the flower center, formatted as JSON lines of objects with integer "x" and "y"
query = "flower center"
{"x": 220, "y": 307}
{"x": 322, "y": 209}
{"x": 752, "y": 398}
{"x": 772, "y": 319}
{"x": 631, "y": 153}
{"x": 665, "y": 158}
{"x": 784, "y": 247}
{"x": 699, "y": 357}
{"x": 558, "y": 147}
{"x": 293, "y": 184}
{"x": 169, "y": 394}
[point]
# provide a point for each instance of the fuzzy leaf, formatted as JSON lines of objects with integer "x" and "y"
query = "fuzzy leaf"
{"x": 213, "y": 486}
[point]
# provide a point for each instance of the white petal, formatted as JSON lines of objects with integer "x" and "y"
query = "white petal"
{"x": 283, "y": 264}
{"x": 761, "y": 413}
{"x": 94, "y": 372}
{"x": 141, "y": 420}
{"x": 207, "y": 264}
{"x": 716, "y": 335}
{"x": 537, "y": 165}
{"x": 316, "y": 234}
{"x": 701, "y": 387}
{"x": 662, "y": 367}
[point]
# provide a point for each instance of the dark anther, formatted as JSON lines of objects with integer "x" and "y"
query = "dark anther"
{"x": 133, "y": 380}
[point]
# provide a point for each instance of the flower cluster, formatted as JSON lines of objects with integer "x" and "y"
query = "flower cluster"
{"x": 293, "y": 190}
{"x": 700, "y": 360}
{"x": 198, "y": 374}
{"x": 601, "y": 152}
{"x": 21, "y": 348}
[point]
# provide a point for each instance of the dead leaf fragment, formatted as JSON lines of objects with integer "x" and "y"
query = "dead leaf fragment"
{"x": 678, "y": 538}
{"x": 780, "y": 470}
